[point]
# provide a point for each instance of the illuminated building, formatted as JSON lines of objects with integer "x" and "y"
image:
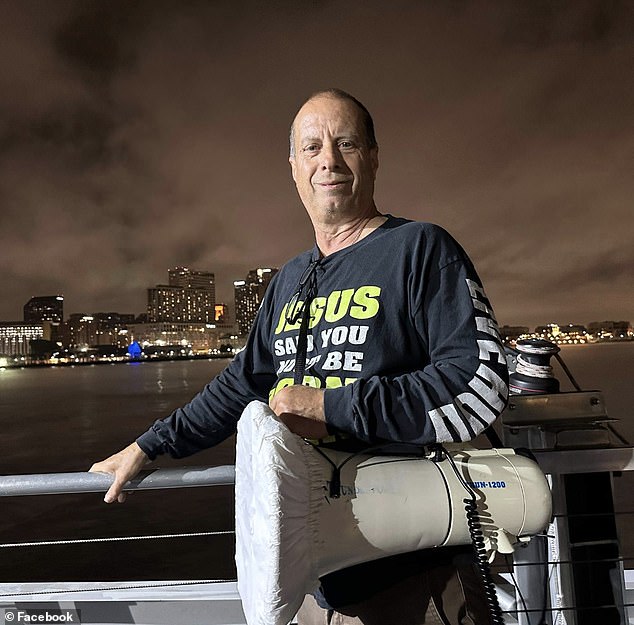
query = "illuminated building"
{"x": 610, "y": 330}
{"x": 247, "y": 304}
{"x": 113, "y": 320}
{"x": 549, "y": 331}
{"x": 249, "y": 294}
{"x": 82, "y": 331}
{"x": 563, "y": 334}
{"x": 221, "y": 314}
{"x": 188, "y": 279}
{"x": 44, "y": 308}
{"x": 112, "y": 328}
{"x": 47, "y": 310}
{"x": 15, "y": 336}
{"x": 177, "y": 339}
{"x": 190, "y": 297}
{"x": 96, "y": 330}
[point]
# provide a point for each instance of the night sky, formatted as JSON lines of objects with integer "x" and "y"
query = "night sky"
{"x": 136, "y": 136}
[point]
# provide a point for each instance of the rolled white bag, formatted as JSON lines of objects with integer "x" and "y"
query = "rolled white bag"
{"x": 290, "y": 531}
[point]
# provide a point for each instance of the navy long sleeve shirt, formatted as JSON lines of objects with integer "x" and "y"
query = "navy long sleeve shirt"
{"x": 401, "y": 337}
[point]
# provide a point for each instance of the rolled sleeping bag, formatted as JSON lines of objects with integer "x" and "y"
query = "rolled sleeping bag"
{"x": 290, "y": 531}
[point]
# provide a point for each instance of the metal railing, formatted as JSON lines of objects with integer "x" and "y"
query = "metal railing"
{"x": 152, "y": 479}
{"x": 217, "y": 599}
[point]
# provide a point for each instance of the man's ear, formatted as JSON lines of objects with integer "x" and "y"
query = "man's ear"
{"x": 374, "y": 157}
{"x": 291, "y": 160}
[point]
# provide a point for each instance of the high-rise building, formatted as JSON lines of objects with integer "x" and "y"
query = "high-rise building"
{"x": 249, "y": 294}
{"x": 261, "y": 277}
{"x": 82, "y": 331}
{"x": 190, "y": 297}
{"x": 189, "y": 279}
{"x": 44, "y": 308}
{"x": 247, "y": 304}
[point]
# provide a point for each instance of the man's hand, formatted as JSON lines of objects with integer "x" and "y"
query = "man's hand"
{"x": 301, "y": 409}
{"x": 124, "y": 466}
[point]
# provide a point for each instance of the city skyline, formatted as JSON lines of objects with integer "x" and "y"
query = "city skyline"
{"x": 178, "y": 277}
{"x": 140, "y": 136}
{"x": 231, "y": 304}
{"x": 183, "y": 321}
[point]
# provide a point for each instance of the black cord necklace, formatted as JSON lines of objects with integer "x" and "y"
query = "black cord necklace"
{"x": 299, "y": 309}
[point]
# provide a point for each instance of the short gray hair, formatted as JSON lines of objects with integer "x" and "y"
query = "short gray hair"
{"x": 339, "y": 94}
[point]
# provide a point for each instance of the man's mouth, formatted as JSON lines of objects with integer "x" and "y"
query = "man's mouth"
{"x": 332, "y": 184}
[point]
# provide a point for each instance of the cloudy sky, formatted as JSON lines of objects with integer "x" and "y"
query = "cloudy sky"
{"x": 140, "y": 135}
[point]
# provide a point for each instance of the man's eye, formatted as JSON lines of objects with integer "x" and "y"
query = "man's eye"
{"x": 311, "y": 148}
{"x": 345, "y": 144}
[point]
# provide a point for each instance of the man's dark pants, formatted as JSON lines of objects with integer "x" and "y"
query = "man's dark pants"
{"x": 449, "y": 591}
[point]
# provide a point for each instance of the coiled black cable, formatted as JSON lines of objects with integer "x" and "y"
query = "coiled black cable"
{"x": 477, "y": 537}
{"x": 482, "y": 562}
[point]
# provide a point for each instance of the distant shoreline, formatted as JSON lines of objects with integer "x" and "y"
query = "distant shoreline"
{"x": 128, "y": 361}
{"x": 190, "y": 357}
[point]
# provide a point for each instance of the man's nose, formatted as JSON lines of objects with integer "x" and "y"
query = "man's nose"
{"x": 331, "y": 157}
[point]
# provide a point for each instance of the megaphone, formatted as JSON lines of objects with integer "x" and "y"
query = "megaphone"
{"x": 292, "y": 529}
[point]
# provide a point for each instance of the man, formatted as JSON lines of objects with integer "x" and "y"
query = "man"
{"x": 399, "y": 344}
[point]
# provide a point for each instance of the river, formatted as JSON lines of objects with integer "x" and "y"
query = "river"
{"x": 57, "y": 419}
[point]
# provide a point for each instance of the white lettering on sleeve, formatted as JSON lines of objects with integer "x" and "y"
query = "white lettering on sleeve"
{"x": 436, "y": 417}
{"x": 491, "y": 348}
{"x": 478, "y": 406}
{"x": 452, "y": 414}
{"x": 486, "y": 385}
{"x": 485, "y": 324}
{"x": 496, "y": 381}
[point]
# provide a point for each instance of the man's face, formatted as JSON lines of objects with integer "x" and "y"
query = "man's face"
{"x": 333, "y": 167}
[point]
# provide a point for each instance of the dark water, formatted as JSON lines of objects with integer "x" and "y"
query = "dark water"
{"x": 64, "y": 419}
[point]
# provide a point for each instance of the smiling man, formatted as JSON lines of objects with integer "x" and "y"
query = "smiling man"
{"x": 381, "y": 333}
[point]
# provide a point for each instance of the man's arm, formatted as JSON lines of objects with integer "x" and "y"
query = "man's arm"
{"x": 301, "y": 408}
{"x": 461, "y": 390}
{"x": 207, "y": 420}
